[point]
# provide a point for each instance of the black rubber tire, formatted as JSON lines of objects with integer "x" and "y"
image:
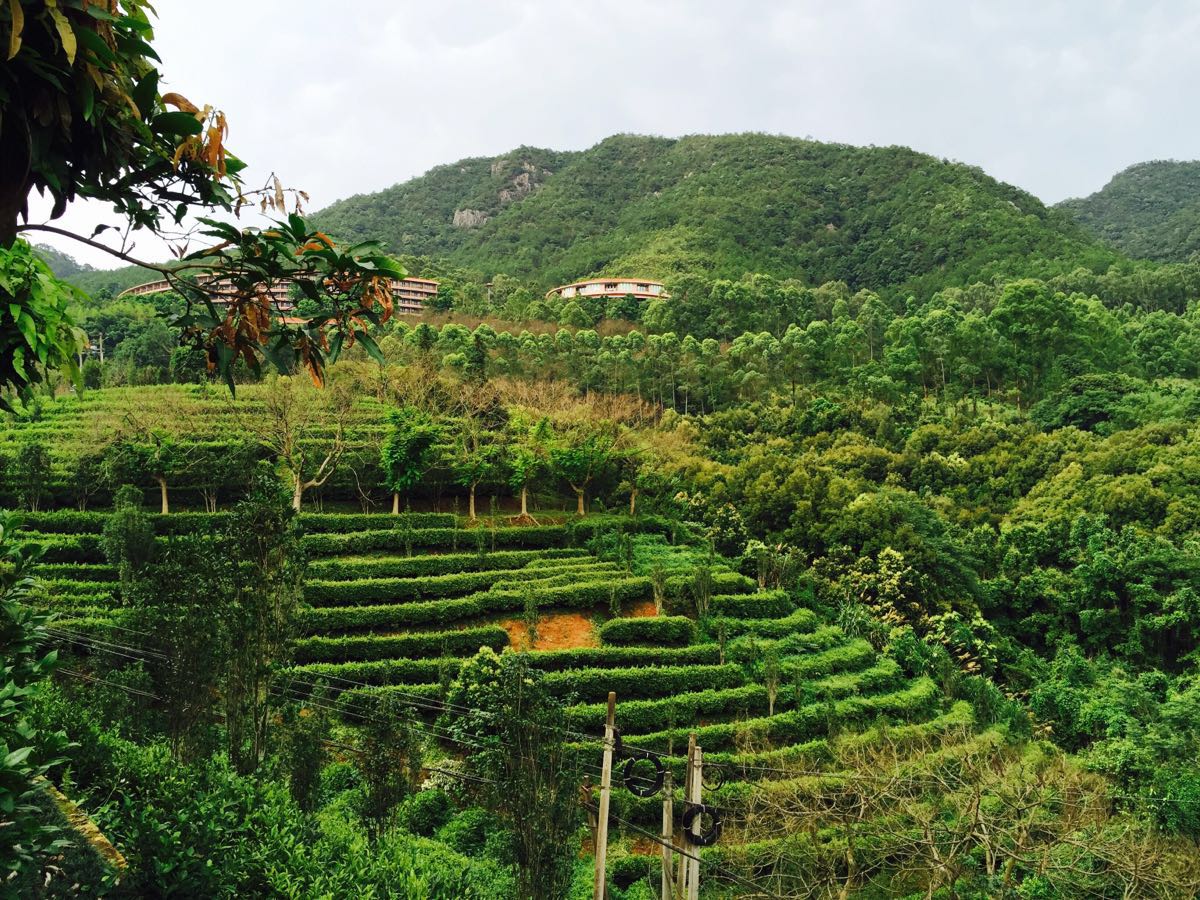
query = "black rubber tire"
{"x": 714, "y": 777}
{"x": 704, "y": 838}
{"x": 639, "y": 787}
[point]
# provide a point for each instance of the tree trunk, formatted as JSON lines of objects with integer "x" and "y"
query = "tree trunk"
{"x": 471, "y": 504}
{"x": 395, "y": 503}
{"x": 579, "y": 503}
{"x": 16, "y": 157}
{"x": 524, "y": 501}
{"x": 162, "y": 490}
{"x": 297, "y": 493}
{"x": 633, "y": 502}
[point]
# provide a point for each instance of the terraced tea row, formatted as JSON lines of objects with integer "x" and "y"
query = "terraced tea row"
{"x": 759, "y": 680}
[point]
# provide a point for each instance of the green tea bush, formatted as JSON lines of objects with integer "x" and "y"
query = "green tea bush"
{"x": 424, "y": 812}
{"x": 800, "y": 620}
{"x": 915, "y": 702}
{"x": 641, "y": 716}
{"x": 365, "y": 618}
{"x": 78, "y": 572}
{"x": 463, "y": 642}
{"x": 593, "y": 685}
{"x": 855, "y": 655}
{"x": 763, "y": 605}
{"x": 84, "y": 548}
{"x": 431, "y": 538}
{"x": 676, "y": 630}
{"x": 441, "y": 564}
{"x": 624, "y": 657}
{"x": 341, "y": 523}
{"x": 396, "y": 590}
{"x": 374, "y": 672}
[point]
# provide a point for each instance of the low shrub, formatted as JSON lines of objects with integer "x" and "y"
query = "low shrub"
{"x": 366, "y": 618}
{"x": 434, "y": 643}
{"x": 434, "y": 539}
{"x": 854, "y": 655}
{"x": 425, "y": 812}
{"x": 441, "y": 564}
{"x": 80, "y": 548}
{"x": 678, "y": 630}
{"x": 641, "y": 716}
{"x": 763, "y": 605}
{"x": 373, "y": 672}
{"x": 913, "y": 703}
{"x": 78, "y": 572}
{"x": 624, "y": 657}
{"x": 593, "y": 685}
{"x": 432, "y": 587}
{"x": 341, "y": 523}
{"x": 800, "y": 620}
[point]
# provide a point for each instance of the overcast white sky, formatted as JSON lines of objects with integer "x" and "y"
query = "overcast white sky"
{"x": 350, "y": 97}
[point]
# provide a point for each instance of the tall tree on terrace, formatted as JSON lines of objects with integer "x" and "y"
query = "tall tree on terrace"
{"x": 581, "y": 456}
{"x": 476, "y": 454}
{"x": 528, "y": 456}
{"x": 408, "y": 451}
{"x": 304, "y": 429}
{"x": 634, "y": 462}
{"x": 476, "y": 457}
{"x": 147, "y": 450}
{"x": 83, "y": 118}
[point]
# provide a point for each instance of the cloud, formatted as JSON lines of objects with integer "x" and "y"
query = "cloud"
{"x": 1052, "y": 96}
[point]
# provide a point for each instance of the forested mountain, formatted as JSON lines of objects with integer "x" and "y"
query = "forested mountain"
{"x": 1148, "y": 211}
{"x": 63, "y": 264}
{"x": 884, "y": 218}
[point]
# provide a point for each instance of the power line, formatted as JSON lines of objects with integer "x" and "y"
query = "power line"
{"x": 349, "y": 707}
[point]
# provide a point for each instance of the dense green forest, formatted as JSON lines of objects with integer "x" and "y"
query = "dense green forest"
{"x": 1148, "y": 211}
{"x": 886, "y": 219}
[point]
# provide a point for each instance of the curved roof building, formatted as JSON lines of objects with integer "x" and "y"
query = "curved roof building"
{"x": 640, "y": 288}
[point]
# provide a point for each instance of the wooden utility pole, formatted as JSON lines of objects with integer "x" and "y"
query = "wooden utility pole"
{"x": 693, "y": 884}
{"x": 605, "y": 790}
{"x": 682, "y": 874}
{"x": 668, "y": 837}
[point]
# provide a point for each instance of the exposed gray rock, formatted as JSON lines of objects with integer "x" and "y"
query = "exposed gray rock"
{"x": 469, "y": 218}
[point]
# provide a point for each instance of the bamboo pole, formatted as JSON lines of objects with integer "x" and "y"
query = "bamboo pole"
{"x": 668, "y": 836}
{"x": 693, "y": 884}
{"x": 682, "y": 873}
{"x": 605, "y": 790}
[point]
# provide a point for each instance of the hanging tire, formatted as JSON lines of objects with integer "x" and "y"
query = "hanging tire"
{"x": 691, "y": 813}
{"x": 714, "y": 777}
{"x": 640, "y": 787}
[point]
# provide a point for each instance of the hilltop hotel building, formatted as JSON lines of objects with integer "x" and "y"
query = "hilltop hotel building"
{"x": 409, "y": 295}
{"x": 609, "y": 287}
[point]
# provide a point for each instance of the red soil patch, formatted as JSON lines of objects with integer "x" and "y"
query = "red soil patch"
{"x": 642, "y": 609}
{"x": 643, "y": 846}
{"x": 556, "y": 631}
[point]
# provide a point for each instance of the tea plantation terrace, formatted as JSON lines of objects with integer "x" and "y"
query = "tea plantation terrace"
{"x": 396, "y": 604}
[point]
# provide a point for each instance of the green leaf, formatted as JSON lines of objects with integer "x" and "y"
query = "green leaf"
{"x": 17, "y": 757}
{"x": 145, "y": 93}
{"x": 335, "y": 346}
{"x": 176, "y": 123}
{"x": 371, "y": 347}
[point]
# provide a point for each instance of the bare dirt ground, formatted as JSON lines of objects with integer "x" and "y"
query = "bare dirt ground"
{"x": 642, "y": 609}
{"x": 556, "y": 631}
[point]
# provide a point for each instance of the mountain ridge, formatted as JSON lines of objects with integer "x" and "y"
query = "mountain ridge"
{"x": 1149, "y": 210}
{"x": 885, "y": 218}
